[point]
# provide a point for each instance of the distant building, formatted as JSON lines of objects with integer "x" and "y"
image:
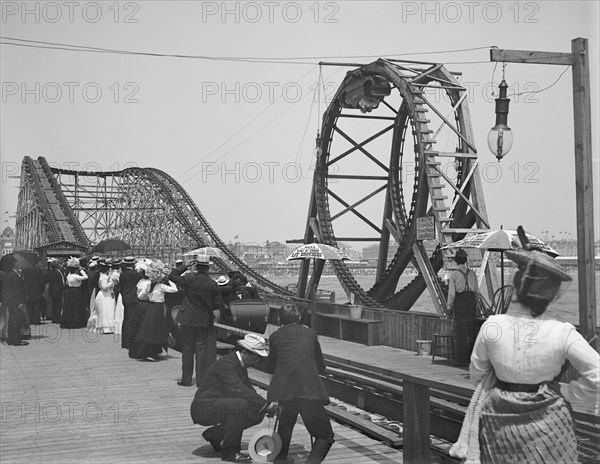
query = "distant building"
{"x": 7, "y": 241}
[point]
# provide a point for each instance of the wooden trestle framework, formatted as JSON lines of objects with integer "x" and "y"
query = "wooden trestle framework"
{"x": 65, "y": 212}
{"x": 380, "y": 118}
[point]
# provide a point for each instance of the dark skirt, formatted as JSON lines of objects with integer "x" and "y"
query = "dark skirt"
{"x": 153, "y": 333}
{"x": 522, "y": 427}
{"x": 74, "y": 305}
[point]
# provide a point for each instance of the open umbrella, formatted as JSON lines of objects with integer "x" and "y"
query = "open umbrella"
{"x": 316, "y": 251}
{"x": 210, "y": 251}
{"x": 502, "y": 240}
{"x": 111, "y": 244}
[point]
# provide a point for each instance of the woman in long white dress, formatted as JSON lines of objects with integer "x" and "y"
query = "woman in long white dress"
{"x": 102, "y": 317}
{"x": 115, "y": 275}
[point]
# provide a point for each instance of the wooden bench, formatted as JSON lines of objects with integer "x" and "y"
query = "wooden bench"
{"x": 365, "y": 331}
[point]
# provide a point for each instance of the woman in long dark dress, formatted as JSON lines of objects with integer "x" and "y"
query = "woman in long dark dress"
{"x": 74, "y": 303}
{"x": 153, "y": 333}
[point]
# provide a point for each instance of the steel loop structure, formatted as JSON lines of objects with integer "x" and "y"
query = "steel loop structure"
{"x": 377, "y": 146}
{"x": 379, "y": 176}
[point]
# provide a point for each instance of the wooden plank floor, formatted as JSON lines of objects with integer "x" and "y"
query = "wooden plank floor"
{"x": 73, "y": 397}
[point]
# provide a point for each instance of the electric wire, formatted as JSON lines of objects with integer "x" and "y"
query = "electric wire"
{"x": 287, "y": 60}
{"x": 239, "y": 130}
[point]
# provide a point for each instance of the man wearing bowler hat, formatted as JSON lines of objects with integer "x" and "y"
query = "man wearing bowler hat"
{"x": 227, "y": 400}
{"x": 201, "y": 297}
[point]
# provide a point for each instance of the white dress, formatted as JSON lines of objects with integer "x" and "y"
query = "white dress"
{"x": 119, "y": 308}
{"x": 102, "y": 317}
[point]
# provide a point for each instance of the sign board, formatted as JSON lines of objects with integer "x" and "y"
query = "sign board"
{"x": 426, "y": 228}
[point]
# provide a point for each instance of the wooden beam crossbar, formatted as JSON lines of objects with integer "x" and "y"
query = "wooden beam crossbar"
{"x": 460, "y": 192}
{"x": 454, "y": 129}
{"x": 359, "y": 146}
{"x": 362, "y": 200}
{"x": 426, "y": 73}
{"x": 347, "y": 205}
{"x": 531, "y": 57}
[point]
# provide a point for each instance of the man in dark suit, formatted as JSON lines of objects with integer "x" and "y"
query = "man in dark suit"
{"x": 295, "y": 360}
{"x": 35, "y": 284}
{"x": 56, "y": 288}
{"x": 128, "y": 283}
{"x": 227, "y": 400}
{"x": 198, "y": 334}
{"x": 13, "y": 296}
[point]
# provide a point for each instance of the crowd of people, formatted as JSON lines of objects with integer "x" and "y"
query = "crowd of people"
{"x": 109, "y": 296}
{"x": 518, "y": 412}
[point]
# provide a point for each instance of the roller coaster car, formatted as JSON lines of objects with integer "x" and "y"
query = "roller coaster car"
{"x": 365, "y": 93}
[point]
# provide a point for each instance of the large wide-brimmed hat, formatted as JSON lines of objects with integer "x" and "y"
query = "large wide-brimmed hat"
{"x": 541, "y": 275}
{"x": 254, "y": 343}
{"x": 73, "y": 262}
{"x": 543, "y": 263}
{"x": 157, "y": 271}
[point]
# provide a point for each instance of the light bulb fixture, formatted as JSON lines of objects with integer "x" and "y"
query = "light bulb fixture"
{"x": 500, "y": 137}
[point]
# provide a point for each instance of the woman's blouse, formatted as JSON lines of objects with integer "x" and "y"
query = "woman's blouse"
{"x": 156, "y": 294}
{"x": 142, "y": 289}
{"x": 527, "y": 350}
{"x": 74, "y": 280}
{"x": 105, "y": 282}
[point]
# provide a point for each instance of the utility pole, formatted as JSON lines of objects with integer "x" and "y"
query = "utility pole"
{"x": 578, "y": 59}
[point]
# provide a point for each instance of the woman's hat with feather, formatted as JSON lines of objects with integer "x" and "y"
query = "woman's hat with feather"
{"x": 542, "y": 274}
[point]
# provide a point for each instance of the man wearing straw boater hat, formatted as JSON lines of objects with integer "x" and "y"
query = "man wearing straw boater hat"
{"x": 201, "y": 297}
{"x": 227, "y": 400}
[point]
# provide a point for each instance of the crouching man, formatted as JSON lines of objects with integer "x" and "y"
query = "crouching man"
{"x": 227, "y": 401}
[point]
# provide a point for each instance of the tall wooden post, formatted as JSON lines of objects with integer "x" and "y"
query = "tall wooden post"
{"x": 578, "y": 59}
{"x": 584, "y": 186}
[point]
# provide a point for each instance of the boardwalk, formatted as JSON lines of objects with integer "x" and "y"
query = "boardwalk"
{"x": 73, "y": 397}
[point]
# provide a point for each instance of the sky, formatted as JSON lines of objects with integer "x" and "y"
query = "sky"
{"x": 239, "y": 135}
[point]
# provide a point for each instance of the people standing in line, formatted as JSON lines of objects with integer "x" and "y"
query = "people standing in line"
{"x": 153, "y": 334}
{"x": 102, "y": 317}
{"x": 296, "y": 360}
{"x": 115, "y": 275}
{"x": 227, "y": 401}
{"x": 35, "y": 283}
{"x": 74, "y": 314}
{"x": 525, "y": 415}
{"x": 198, "y": 334}
{"x": 135, "y": 317}
{"x": 14, "y": 298}
{"x": 56, "y": 282}
{"x": 463, "y": 295}
{"x": 128, "y": 281}
{"x": 93, "y": 278}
